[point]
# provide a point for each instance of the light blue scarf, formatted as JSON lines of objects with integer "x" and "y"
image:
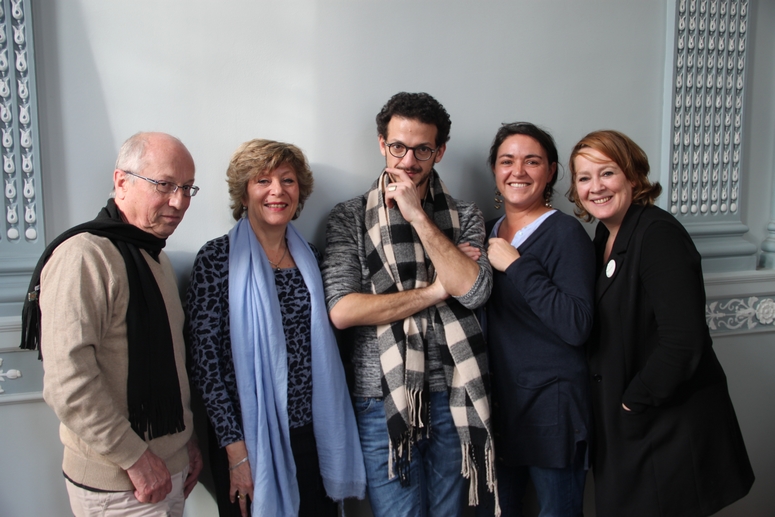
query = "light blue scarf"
{"x": 261, "y": 366}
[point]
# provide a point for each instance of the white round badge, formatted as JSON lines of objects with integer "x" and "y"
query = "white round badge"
{"x": 610, "y": 268}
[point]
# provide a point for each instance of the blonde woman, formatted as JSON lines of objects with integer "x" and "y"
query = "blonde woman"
{"x": 264, "y": 356}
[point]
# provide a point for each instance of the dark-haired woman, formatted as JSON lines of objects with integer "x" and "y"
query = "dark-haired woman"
{"x": 537, "y": 319}
{"x": 667, "y": 442}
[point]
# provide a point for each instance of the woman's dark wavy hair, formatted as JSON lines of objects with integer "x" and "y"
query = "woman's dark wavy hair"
{"x": 415, "y": 106}
{"x": 625, "y": 153}
{"x": 536, "y": 133}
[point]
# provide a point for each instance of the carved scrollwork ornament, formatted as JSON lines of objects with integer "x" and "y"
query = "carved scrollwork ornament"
{"x": 708, "y": 84}
{"x": 9, "y": 375}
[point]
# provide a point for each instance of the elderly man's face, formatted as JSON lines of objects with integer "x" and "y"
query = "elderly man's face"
{"x": 140, "y": 203}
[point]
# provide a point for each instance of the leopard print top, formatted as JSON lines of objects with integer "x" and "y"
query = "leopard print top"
{"x": 212, "y": 369}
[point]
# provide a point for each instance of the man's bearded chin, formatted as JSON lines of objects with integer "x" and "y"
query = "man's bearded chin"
{"x": 424, "y": 181}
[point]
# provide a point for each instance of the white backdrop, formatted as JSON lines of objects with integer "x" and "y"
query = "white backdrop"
{"x": 316, "y": 73}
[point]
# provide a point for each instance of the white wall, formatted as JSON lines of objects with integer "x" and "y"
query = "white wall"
{"x": 315, "y": 73}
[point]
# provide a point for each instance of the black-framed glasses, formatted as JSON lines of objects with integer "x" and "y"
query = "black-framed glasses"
{"x": 421, "y": 152}
{"x": 166, "y": 187}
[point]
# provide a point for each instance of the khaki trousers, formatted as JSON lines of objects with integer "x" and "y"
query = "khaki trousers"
{"x": 86, "y": 503}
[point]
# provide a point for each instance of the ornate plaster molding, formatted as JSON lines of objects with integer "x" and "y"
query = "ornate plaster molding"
{"x": 746, "y": 314}
{"x": 10, "y": 332}
{"x": 22, "y": 237}
{"x": 21, "y": 398}
{"x": 707, "y": 124}
{"x": 703, "y": 128}
{"x": 18, "y": 126}
{"x": 10, "y": 375}
{"x": 741, "y": 302}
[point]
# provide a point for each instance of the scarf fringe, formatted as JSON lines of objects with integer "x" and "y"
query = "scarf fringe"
{"x": 492, "y": 482}
{"x": 400, "y": 458}
{"x": 400, "y": 448}
{"x": 153, "y": 421}
{"x": 489, "y": 464}
{"x": 415, "y": 409}
{"x": 470, "y": 471}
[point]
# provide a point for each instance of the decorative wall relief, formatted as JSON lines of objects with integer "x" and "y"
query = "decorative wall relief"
{"x": 9, "y": 375}
{"x": 741, "y": 314}
{"x": 21, "y": 227}
{"x": 21, "y": 374}
{"x": 708, "y": 106}
{"x": 704, "y": 129}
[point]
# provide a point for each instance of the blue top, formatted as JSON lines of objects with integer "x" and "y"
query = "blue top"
{"x": 538, "y": 317}
{"x": 521, "y": 235}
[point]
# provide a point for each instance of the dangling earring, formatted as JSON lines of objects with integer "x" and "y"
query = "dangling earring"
{"x": 548, "y": 196}
{"x": 244, "y": 211}
{"x": 498, "y": 199}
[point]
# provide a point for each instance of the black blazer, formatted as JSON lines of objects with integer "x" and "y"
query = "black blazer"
{"x": 679, "y": 452}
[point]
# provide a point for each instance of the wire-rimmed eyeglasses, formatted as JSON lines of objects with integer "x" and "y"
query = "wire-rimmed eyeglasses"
{"x": 421, "y": 152}
{"x": 166, "y": 187}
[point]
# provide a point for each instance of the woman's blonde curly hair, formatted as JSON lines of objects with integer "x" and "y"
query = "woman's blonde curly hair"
{"x": 259, "y": 157}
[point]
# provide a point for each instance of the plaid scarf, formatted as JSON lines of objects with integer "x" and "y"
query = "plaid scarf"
{"x": 397, "y": 262}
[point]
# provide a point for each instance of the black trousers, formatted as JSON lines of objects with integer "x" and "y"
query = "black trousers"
{"x": 314, "y": 502}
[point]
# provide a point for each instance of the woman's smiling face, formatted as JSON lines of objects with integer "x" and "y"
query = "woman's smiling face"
{"x": 272, "y": 198}
{"x": 603, "y": 189}
{"x": 522, "y": 171}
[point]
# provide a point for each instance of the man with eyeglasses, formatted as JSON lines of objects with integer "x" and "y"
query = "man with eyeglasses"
{"x": 397, "y": 281}
{"x": 104, "y": 311}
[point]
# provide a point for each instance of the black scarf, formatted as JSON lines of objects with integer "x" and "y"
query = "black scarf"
{"x": 153, "y": 387}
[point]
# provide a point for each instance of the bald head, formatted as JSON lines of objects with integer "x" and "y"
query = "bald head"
{"x": 159, "y": 157}
{"x": 132, "y": 154}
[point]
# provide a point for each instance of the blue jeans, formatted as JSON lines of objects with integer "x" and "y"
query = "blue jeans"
{"x": 436, "y": 486}
{"x": 560, "y": 491}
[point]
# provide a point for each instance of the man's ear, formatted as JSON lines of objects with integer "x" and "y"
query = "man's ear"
{"x": 382, "y": 147}
{"x": 120, "y": 182}
{"x": 439, "y": 153}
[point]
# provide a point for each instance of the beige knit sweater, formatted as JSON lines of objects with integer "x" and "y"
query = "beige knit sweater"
{"x": 83, "y": 300}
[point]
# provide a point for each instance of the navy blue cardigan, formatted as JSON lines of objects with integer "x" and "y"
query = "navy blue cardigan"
{"x": 538, "y": 317}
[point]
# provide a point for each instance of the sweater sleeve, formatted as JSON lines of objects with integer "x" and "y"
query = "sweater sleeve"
{"x": 212, "y": 368}
{"x": 472, "y": 232}
{"x": 558, "y": 282}
{"x": 83, "y": 319}
{"x": 672, "y": 282}
{"x": 341, "y": 269}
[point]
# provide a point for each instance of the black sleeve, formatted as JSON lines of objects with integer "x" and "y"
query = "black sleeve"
{"x": 671, "y": 277}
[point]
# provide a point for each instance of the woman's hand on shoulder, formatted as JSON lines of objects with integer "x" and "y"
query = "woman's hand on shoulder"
{"x": 501, "y": 253}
